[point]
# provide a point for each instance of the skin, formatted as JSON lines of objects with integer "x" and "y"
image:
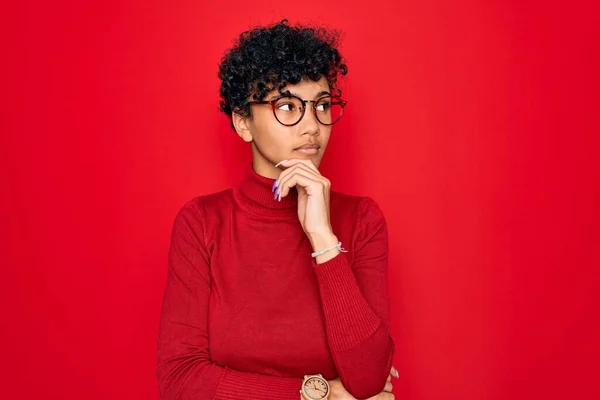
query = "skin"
{"x": 272, "y": 142}
{"x": 275, "y": 155}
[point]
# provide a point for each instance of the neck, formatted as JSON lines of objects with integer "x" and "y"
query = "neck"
{"x": 262, "y": 166}
{"x": 254, "y": 193}
{"x": 265, "y": 168}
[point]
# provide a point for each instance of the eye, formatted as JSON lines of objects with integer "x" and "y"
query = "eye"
{"x": 324, "y": 106}
{"x": 287, "y": 106}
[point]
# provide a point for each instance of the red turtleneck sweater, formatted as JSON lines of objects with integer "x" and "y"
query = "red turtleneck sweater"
{"x": 247, "y": 312}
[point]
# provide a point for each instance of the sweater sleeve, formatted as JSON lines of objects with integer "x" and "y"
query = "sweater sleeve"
{"x": 355, "y": 303}
{"x": 184, "y": 368}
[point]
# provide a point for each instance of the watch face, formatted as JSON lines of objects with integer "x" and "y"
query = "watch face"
{"x": 316, "y": 388}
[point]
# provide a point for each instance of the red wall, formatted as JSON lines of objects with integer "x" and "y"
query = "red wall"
{"x": 475, "y": 124}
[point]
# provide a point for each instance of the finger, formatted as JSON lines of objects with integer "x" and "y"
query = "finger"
{"x": 290, "y": 170}
{"x": 294, "y": 164}
{"x": 313, "y": 184}
{"x": 302, "y": 178}
{"x": 388, "y": 387}
{"x": 283, "y": 176}
{"x": 301, "y": 168}
{"x": 296, "y": 167}
{"x": 383, "y": 396}
{"x": 389, "y": 379}
{"x": 295, "y": 161}
{"x": 394, "y": 372}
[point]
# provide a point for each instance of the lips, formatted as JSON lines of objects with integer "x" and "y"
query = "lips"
{"x": 309, "y": 146}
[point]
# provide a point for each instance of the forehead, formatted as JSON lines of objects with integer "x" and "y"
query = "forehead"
{"x": 306, "y": 89}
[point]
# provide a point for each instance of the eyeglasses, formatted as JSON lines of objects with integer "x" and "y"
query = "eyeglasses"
{"x": 289, "y": 109}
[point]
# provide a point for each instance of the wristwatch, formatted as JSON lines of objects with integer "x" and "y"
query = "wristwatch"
{"x": 314, "y": 387}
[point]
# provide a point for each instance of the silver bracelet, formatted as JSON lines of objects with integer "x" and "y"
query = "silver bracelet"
{"x": 336, "y": 246}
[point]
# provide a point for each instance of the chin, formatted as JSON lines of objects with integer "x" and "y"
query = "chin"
{"x": 315, "y": 158}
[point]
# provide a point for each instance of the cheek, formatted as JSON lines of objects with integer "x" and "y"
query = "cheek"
{"x": 325, "y": 135}
{"x": 270, "y": 136}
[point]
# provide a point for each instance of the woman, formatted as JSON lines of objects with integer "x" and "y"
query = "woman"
{"x": 247, "y": 312}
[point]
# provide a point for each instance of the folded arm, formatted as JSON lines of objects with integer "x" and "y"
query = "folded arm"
{"x": 185, "y": 370}
{"x": 355, "y": 303}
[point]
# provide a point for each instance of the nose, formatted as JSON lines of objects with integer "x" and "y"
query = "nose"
{"x": 309, "y": 124}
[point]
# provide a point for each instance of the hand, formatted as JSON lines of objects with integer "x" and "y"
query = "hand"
{"x": 338, "y": 392}
{"x": 313, "y": 195}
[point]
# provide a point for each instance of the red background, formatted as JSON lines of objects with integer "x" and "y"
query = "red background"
{"x": 474, "y": 124}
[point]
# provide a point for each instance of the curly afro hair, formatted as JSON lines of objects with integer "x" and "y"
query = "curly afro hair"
{"x": 268, "y": 58}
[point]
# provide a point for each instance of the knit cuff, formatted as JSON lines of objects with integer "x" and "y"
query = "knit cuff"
{"x": 349, "y": 318}
{"x": 236, "y": 385}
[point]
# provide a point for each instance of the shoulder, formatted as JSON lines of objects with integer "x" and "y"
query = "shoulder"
{"x": 201, "y": 208}
{"x": 197, "y": 218}
{"x": 359, "y": 221}
{"x": 361, "y": 208}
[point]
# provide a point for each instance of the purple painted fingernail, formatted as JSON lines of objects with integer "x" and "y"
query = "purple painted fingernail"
{"x": 274, "y": 184}
{"x": 276, "y": 192}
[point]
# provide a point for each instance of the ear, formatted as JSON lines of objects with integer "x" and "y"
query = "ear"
{"x": 242, "y": 127}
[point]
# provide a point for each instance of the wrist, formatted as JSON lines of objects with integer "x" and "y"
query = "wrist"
{"x": 322, "y": 239}
{"x": 335, "y": 389}
{"x": 315, "y": 387}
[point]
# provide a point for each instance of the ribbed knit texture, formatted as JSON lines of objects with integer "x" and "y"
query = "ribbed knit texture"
{"x": 247, "y": 312}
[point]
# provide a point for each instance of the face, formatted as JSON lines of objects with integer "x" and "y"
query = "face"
{"x": 273, "y": 142}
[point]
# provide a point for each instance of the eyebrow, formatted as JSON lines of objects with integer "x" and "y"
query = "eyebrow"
{"x": 287, "y": 93}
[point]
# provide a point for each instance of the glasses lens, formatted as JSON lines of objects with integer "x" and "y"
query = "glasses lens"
{"x": 288, "y": 110}
{"x": 329, "y": 110}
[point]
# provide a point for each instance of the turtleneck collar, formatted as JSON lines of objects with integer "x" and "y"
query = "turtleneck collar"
{"x": 255, "y": 194}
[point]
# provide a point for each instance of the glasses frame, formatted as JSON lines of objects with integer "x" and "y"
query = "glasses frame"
{"x": 335, "y": 100}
